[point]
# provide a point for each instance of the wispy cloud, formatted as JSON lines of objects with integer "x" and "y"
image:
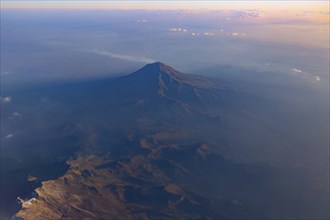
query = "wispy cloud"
{"x": 9, "y": 136}
{"x": 208, "y": 34}
{"x": 178, "y": 30}
{"x": 294, "y": 70}
{"x": 15, "y": 115}
{"x": 6, "y": 99}
{"x": 123, "y": 57}
{"x": 236, "y": 34}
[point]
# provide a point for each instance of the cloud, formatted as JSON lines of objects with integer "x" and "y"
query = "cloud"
{"x": 5, "y": 100}
{"x": 250, "y": 13}
{"x": 305, "y": 75}
{"x": 294, "y": 70}
{"x": 122, "y": 56}
{"x": 178, "y": 30}
{"x": 203, "y": 33}
{"x": 236, "y": 34}
{"x": 15, "y": 115}
{"x": 9, "y": 136}
{"x": 141, "y": 21}
{"x": 208, "y": 34}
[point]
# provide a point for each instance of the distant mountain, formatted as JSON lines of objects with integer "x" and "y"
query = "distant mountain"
{"x": 156, "y": 95}
{"x": 162, "y": 81}
{"x": 169, "y": 81}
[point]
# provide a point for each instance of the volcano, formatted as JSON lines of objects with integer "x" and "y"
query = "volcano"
{"x": 153, "y": 144}
{"x": 145, "y": 151}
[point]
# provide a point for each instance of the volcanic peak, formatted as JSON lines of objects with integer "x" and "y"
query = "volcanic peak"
{"x": 165, "y": 72}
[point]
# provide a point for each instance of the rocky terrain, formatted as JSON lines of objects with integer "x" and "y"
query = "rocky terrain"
{"x": 157, "y": 183}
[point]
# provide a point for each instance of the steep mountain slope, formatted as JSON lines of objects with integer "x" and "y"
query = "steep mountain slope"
{"x": 156, "y": 97}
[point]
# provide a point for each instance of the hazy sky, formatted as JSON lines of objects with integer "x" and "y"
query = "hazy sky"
{"x": 171, "y": 4}
{"x": 51, "y": 39}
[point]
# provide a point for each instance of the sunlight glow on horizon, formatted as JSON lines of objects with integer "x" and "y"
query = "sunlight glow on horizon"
{"x": 321, "y": 6}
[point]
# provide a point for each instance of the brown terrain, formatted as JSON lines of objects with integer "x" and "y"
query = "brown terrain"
{"x": 95, "y": 188}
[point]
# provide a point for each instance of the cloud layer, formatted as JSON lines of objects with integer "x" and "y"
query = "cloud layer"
{"x": 123, "y": 57}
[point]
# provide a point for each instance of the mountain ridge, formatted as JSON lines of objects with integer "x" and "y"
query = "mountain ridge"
{"x": 166, "y": 74}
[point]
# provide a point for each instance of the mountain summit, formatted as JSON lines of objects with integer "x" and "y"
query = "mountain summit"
{"x": 158, "y": 67}
{"x": 165, "y": 75}
{"x": 160, "y": 83}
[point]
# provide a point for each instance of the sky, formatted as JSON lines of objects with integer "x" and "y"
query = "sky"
{"x": 48, "y": 40}
{"x": 268, "y": 5}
